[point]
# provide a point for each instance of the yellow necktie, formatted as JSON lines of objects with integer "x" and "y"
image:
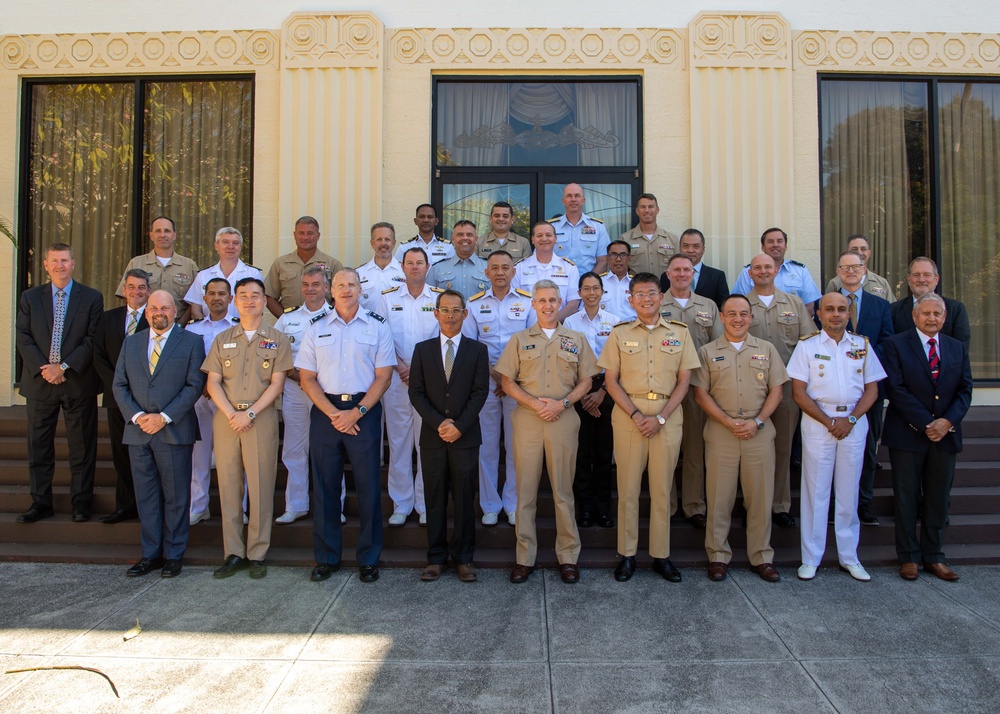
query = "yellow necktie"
{"x": 854, "y": 310}
{"x": 155, "y": 357}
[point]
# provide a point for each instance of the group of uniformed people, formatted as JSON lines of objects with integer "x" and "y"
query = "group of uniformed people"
{"x": 629, "y": 351}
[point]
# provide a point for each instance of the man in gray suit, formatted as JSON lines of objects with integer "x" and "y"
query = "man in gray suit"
{"x": 158, "y": 379}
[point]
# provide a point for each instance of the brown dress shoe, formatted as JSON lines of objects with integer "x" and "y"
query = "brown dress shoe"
{"x": 717, "y": 571}
{"x": 767, "y": 572}
{"x": 942, "y": 571}
{"x": 467, "y": 572}
{"x": 569, "y": 573}
{"x": 698, "y": 520}
{"x": 908, "y": 571}
{"x": 431, "y": 573}
{"x": 520, "y": 573}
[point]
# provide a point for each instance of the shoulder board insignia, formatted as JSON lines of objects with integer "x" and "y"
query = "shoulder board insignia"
{"x": 236, "y": 319}
{"x": 604, "y": 273}
{"x": 409, "y": 240}
{"x": 478, "y": 295}
{"x": 521, "y": 260}
{"x": 678, "y": 323}
{"x": 317, "y": 317}
{"x": 375, "y": 316}
{"x": 854, "y": 333}
{"x": 624, "y": 322}
{"x": 436, "y": 290}
{"x": 746, "y": 266}
{"x": 445, "y": 240}
{"x": 795, "y": 262}
{"x": 390, "y": 290}
{"x": 570, "y": 262}
{"x": 631, "y": 273}
{"x": 813, "y": 334}
{"x": 200, "y": 319}
{"x": 556, "y": 218}
{"x": 596, "y": 220}
{"x": 254, "y": 267}
{"x": 290, "y": 309}
{"x": 523, "y": 293}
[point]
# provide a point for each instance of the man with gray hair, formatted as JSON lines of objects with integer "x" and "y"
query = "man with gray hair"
{"x": 228, "y": 244}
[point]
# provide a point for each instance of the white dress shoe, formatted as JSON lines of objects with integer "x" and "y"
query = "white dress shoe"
{"x": 857, "y": 572}
{"x": 807, "y": 572}
{"x": 199, "y": 517}
{"x": 423, "y": 519}
{"x": 290, "y": 517}
{"x": 397, "y": 519}
{"x": 489, "y": 519}
{"x": 512, "y": 519}
{"x": 343, "y": 519}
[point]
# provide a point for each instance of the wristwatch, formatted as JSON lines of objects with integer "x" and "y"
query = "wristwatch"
{"x": 566, "y": 403}
{"x": 852, "y": 420}
{"x": 362, "y": 409}
{"x": 252, "y": 414}
{"x": 760, "y": 424}
{"x": 659, "y": 418}
{"x": 63, "y": 366}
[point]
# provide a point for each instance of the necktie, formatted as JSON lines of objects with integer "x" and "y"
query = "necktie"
{"x": 133, "y": 322}
{"x": 155, "y": 357}
{"x": 58, "y": 318}
{"x": 449, "y": 359}
{"x": 932, "y": 358}
{"x": 854, "y": 310}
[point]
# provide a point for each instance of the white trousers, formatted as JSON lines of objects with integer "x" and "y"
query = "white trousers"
{"x": 402, "y": 425}
{"x": 828, "y": 463}
{"x": 295, "y": 406}
{"x": 201, "y": 456}
{"x": 496, "y": 411}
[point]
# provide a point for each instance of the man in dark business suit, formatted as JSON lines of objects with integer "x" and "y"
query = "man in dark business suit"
{"x": 708, "y": 281}
{"x": 117, "y": 324}
{"x": 930, "y": 389}
{"x": 449, "y": 382}
{"x": 923, "y": 278}
{"x": 56, "y": 326}
{"x": 870, "y": 317}
{"x": 158, "y": 379}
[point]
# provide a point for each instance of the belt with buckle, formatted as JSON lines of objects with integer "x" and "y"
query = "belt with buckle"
{"x": 839, "y": 408}
{"x": 744, "y": 414}
{"x": 651, "y": 396}
{"x": 242, "y": 406}
{"x": 346, "y": 397}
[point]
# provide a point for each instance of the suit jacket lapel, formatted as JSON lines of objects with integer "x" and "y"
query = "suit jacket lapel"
{"x": 918, "y": 354}
{"x": 166, "y": 350}
{"x": 49, "y": 316}
{"x": 75, "y": 296}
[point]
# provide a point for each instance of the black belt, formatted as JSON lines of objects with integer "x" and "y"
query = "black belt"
{"x": 335, "y": 398}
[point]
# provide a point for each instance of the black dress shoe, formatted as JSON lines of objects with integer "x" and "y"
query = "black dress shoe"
{"x": 35, "y": 513}
{"x": 698, "y": 520}
{"x": 666, "y": 569}
{"x": 146, "y": 565}
{"x": 171, "y": 569}
{"x": 625, "y": 569}
{"x": 323, "y": 571}
{"x": 570, "y": 573}
{"x": 233, "y": 564}
{"x": 586, "y": 519}
{"x": 118, "y": 516}
{"x": 865, "y": 515}
{"x": 605, "y": 521}
{"x": 81, "y": 515}
{"x": 368, "y": 573}
{"x": 783, "y": 520}
{"x": 257, "y": 569}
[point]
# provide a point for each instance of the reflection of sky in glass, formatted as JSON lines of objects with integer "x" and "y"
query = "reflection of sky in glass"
{"x": 473, "y": 201}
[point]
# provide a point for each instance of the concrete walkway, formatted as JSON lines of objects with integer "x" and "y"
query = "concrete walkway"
{"x": 284, "y": 644}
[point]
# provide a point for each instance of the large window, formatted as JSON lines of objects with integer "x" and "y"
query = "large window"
{"x": 522, "y": 140}
{"x": 914, "y": 164}
{"x": 104, "y": 157}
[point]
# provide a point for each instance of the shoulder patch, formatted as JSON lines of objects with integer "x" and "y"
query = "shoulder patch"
{"x": 523, "y": 293}
{"x": 291, "y": 309}
{"x": 375, "y": 316}
{"x": 812, "y": 334}
{"x": 678, "y": 323}
{"x": 390, "y": 290}
{"x": 317, "y": 317}
{"x": 478, "y": 295}
{"x": 795, "y": 262}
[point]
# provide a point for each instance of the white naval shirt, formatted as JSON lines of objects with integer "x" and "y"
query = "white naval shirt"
{"x": 616, "y": 294}
{"x": 411, "y": 320}
{"x": 196, "y": 293}
{"x": 559, "y": 270}
{"x": 493, "y": 321}
{"x": 294, "y": 324}
{"x": 835, "y": 373}
{"x": 375, "y": 279}
{"x": 596, "y": 331}
{"x": 209, "y": 330}
{"x": 437, "y": 250}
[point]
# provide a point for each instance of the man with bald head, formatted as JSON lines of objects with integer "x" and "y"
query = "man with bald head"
{"x": 580, "y": 238}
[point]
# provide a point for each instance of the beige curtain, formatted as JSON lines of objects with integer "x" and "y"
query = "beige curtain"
{"x": 197, "y": 160}
{"x": 470, "y": 118}
{"x": 609, "y": 109}
{"x": 969, "y": 135}
{"x": 80, "y": 179}
{"x": 874, "y": 172}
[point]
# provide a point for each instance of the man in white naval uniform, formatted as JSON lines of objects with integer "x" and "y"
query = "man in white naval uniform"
{"x": 835, "y": 377}
{"x": 409, "y": 312}
{"x": 580, "y": 238}
{"x": 494, "y": 315}
{"x": 437, "y": 249}
{"x": 383, "y": 271}
{"x": 544, "y": 264}
{"x": 228, "y": 244}
{"x": 218, "y": 296}
{"x": 617, "y": 279}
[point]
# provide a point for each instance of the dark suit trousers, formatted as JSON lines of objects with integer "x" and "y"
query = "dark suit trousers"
{"x": 921, "y": 483}
{"x": 450, "y": 470}
{"x": 592, "y": 482}
{"x": 162, "y": 475}
{"x": 328, "y": 450}
{"x": 80, "y": 416}
{"x": 867, "y": 487}
{"x": 124, "y": 487}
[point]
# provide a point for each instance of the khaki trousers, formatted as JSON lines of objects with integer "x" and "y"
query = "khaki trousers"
{"x": 785, "y": 419}
{"x": 553, "y": 442}
{"x": 693, "y": 467}
{"x": 633, "y": 452}
{"x": 256, "y": 452}
{"x": 731, "y": 462}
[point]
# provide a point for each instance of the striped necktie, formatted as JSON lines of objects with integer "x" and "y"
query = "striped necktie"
{"x": 58, "y": 319}
{"x": 154, "y": 358}
{"x": 449, "y": 359}
{"x": 932, "y": 358}
{"x": 854, "y": 310}
{"x": 133, "y": 322}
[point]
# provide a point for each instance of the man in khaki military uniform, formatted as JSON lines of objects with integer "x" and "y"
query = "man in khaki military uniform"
{"x": 546, "y": 369}
{"x": 701, "y": 315}
{"x": 283, "y": 284}
{"x": 739, "y": 386}
{"x": 647, "y": 363}
{"x": 651, "y": 245}
{"x": 500, "y": 236}
{"x": 246, "y": 370}
{"x": 781, "y": 319}
{"x": 167, "y": 270}
{"x": 870, "y": 282}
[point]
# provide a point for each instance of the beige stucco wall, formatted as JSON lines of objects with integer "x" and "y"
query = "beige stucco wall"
{"x": 343, "y": 114}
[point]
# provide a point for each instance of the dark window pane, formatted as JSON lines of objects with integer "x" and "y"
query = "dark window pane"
{"x": 608, "y": 202}
{"x": 474, "y": 201}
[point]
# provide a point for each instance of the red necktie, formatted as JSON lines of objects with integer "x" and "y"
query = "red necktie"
{"x": 933, "y": 359}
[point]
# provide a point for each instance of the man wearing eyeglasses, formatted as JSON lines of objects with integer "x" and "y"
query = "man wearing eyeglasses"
{"x": 617, "y": 279}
